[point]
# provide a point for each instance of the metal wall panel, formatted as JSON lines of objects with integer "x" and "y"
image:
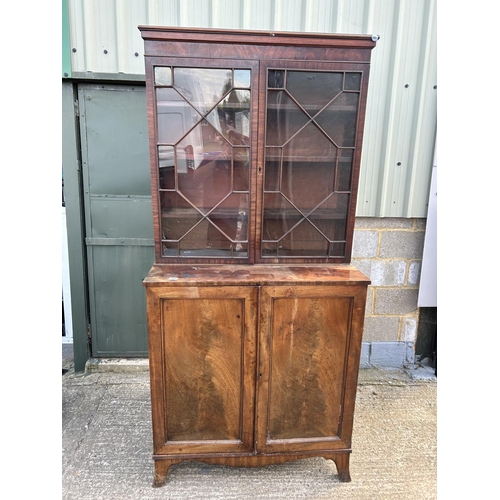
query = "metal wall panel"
{"x": 401, "y": 110}
{"x": 118, "y": 304}
{"x": 118, "y": 215}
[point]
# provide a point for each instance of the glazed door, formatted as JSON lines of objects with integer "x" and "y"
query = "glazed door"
{"x": 202, "y": 350}
{"x": 203, "y": 152}
{"x": 308, "y": 350}
{"x": 311, "y": 142}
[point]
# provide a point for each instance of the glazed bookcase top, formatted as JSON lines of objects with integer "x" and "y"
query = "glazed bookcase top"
{"x": 255, "y": 143}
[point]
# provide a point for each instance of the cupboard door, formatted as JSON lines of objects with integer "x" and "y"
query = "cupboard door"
{"x": 202, "y": 348}
{"x": 308, "y": 349}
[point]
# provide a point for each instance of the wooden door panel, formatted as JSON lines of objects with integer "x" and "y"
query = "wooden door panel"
{"x": 304, "y": 354}
{"x": 203, "y": 354}
{"x": 208, "y": 368}
{"x": 308, "y": 357}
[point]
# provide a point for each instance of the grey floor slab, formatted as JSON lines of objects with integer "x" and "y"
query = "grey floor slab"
{"x": 107, "y": 447}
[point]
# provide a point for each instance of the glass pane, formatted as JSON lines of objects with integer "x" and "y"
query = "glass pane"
{"x": 313, "y": 90}
{"x": 204, "y": 167}
{"x": 231, "y": 217}
{"x": 197, "y": 240}
{"x": 337, "y": 249}
{"x": 344, "y": 170}
{"x": 352, "y": 81}
{"x": 204, "y": 161}
{"x": 170, "y": 249}
{"x": 203, "y": 87}
{"x": 241, "y": 78}
{"x": 303, "y": 241}
{"x": 241, "y": 169}
{"x": 163, "y": 75}
{"x": 279, "y": 216}
{"x": 240, "y": 250}
{"x": 175, "y": 116}
{"x": 284, "y": 118}
{"x": 339, "y": 119}
{"x": 310, "y": 145}
{"x": 269, "y": 249}
{"x": 275, "y": 79}
{"x": 177, "y": 215}
{"x": 272, "y": 169}
{"x": 307, "y": 184}
{"x": 304, "y": 213}
{"x": 331, "y": 216}
{"x": 232, "y": 117}
{"x": 166, "y": 167}
{"x": 206, "y": 240}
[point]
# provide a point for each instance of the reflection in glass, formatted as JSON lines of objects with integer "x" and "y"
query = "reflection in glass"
{"x": 166, "y": 163}
{"x": 204, "y": 167}
{"x": 163, "y": 75}
{"x": 230, "y": 217}
{"x": 225, "y": 228}
{"x": 232, "y": 117}
{"x": 175, "y": 116}
{"x": 218, "y": 236}
{"x": 204, "y": 162}
{"x": 203, "y": 87}
{"x": 242, "y": 78}
{"x": 269, "y": 249}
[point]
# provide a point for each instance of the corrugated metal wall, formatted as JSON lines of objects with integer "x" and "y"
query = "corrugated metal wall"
{"x": 401, "y": 112}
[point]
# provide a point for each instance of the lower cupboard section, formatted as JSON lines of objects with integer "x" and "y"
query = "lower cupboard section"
{"x": 253, "y": 374}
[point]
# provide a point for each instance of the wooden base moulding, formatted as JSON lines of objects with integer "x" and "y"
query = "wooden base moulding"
{"x": 162, "y": 465}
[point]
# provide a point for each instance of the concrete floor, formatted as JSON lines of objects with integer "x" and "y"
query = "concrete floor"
{"x": 107, "y": 445}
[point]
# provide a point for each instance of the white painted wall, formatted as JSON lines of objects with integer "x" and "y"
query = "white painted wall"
{"x": 66, "y": 293}
{"x": 427, "y": 295}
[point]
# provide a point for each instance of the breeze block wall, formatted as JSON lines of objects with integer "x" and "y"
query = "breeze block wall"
{"x": 389, "y": 251}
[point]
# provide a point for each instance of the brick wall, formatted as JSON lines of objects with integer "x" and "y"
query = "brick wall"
{"x": 389, "y": 251}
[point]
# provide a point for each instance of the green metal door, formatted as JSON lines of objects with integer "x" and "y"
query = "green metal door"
{"x": 118, "y": 217}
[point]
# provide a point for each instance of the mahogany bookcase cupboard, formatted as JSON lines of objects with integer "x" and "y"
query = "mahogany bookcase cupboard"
{"x": 255, "y": 314}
